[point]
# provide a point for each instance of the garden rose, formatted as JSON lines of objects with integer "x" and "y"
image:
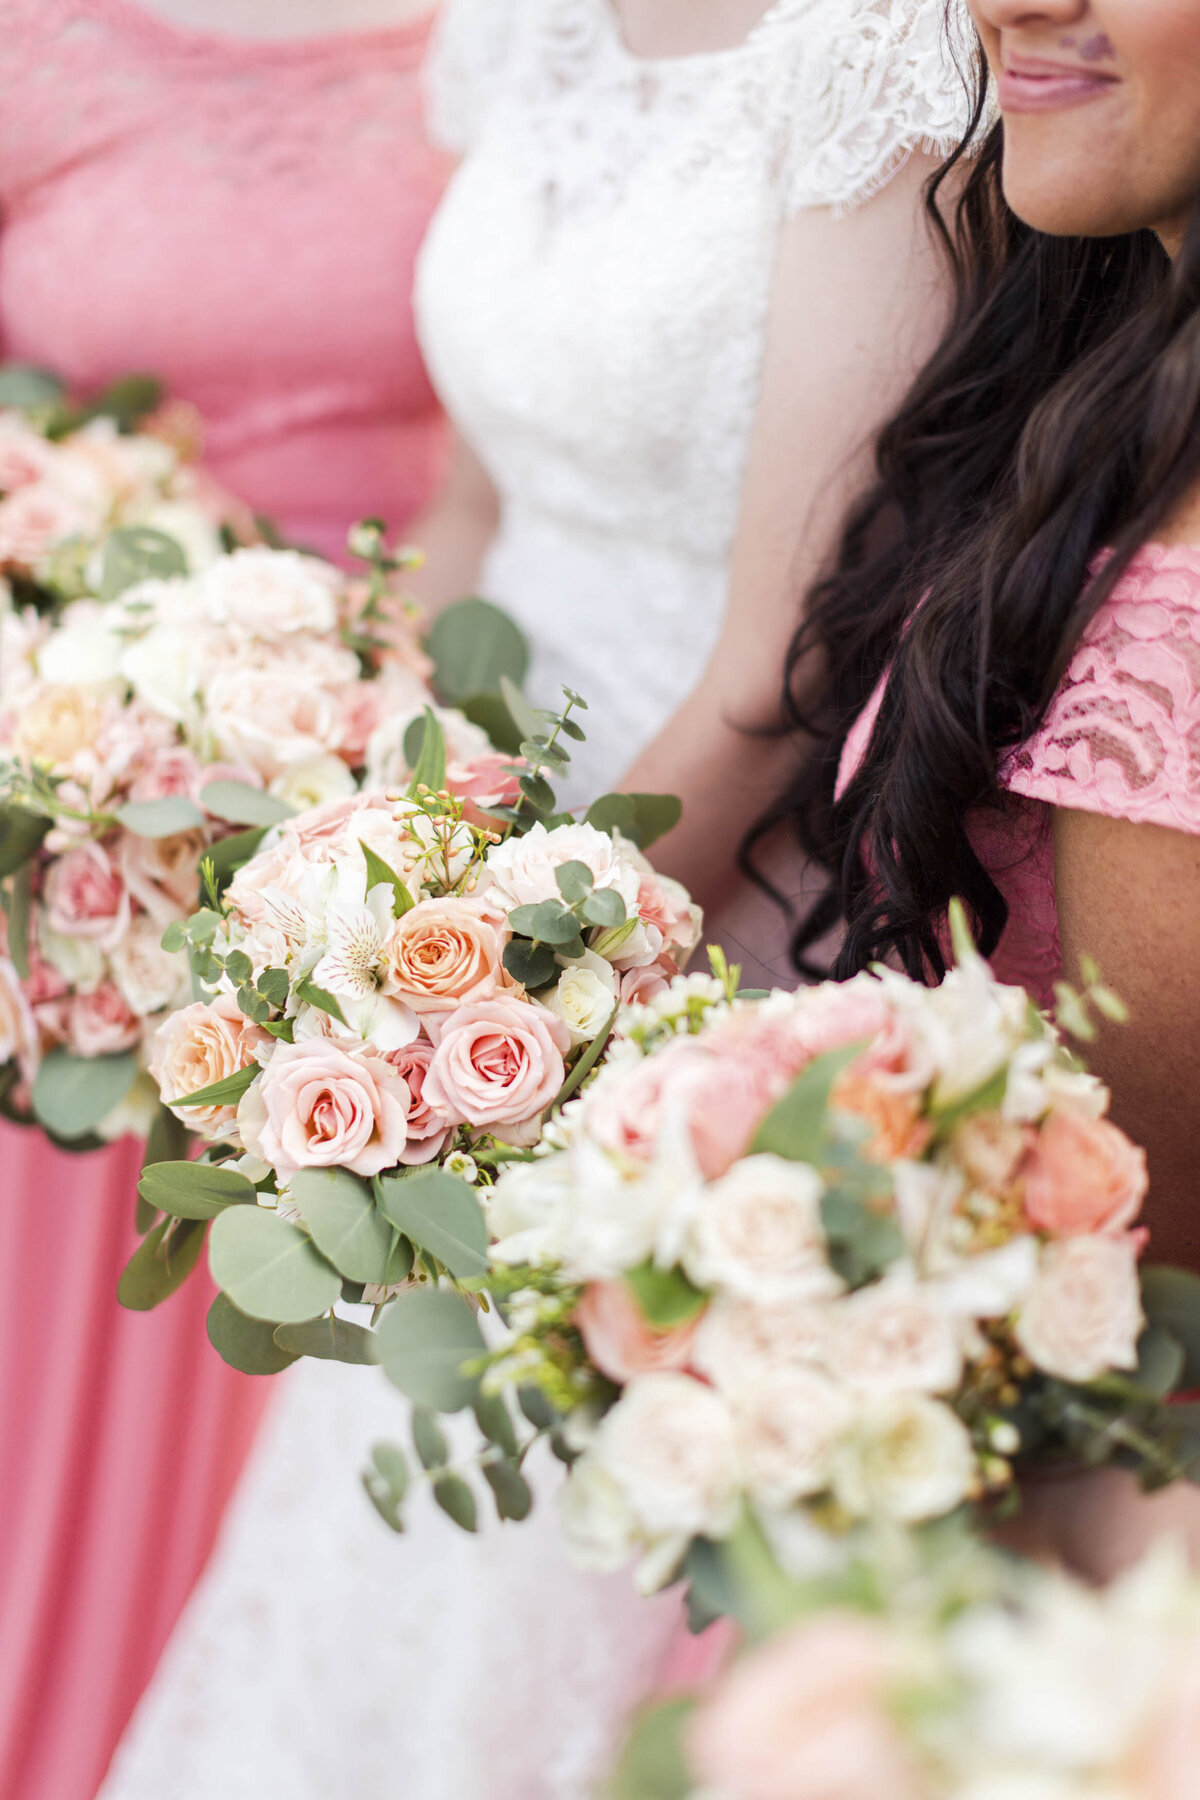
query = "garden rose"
{"x": 757, "y": 1232}
{"x": 738, "y": 1341}
{"x": 444, "y": 953}
{"x": 163, "y": 874}
{"x": 620, "y": 1340}
{"x": 314, "y": 782}
{"x": 1084, "y": 1316}
{"x": 484, "y": 782}
{"x": 85, "y": 897}
{"x": 198, "y": 1046}
{"x": 270, "y": 720}
{"x": 909, "y": 1458}
{"x": 427, "y": 1128}
{"x": 271, "y": 594}
{"x": 523, "y": 870}
{"x": 498, "y": 1063}
{"x": 669, "y": 1444}
{"x": 318, "y": 1106}
{"x": 789, "y": 1424}
{"x": 1083, "y": 1175}
{"x": 147, "y": 975}
{"x": 584, "y": 997}
{"x": 893, "y": 1338}
{"x": 892, "y": 1116}
{"x": 35, "y": 518}
{"x": 58, "y": 724}
{"x": 101, "y": 1022}
{"x": 724, "y": 1099}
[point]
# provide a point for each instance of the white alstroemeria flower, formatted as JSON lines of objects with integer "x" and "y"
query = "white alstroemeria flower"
{"x": 352, "y": 966}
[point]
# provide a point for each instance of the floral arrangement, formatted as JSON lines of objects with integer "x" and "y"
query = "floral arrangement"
{"x": 821, "y": 1258}
{"x": 996, "y": 1681}
{"x": 398, "y": 989}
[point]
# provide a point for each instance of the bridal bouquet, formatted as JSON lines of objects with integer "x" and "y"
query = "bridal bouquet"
{"x": 399, "y": 987}
{"x": 1033, "y": 1688}
{"x": 826, "y": 1258}
{"x": 169, "y": 717}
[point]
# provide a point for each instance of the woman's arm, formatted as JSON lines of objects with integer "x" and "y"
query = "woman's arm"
{"x": 857, "y": 307}
{"x": 454, "y": 532}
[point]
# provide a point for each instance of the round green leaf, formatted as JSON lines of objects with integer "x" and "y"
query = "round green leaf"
{"x": 72, "y": 1094}
{"x": 425, "y": 1337}
{"x": 21, "y": 833}
{"x": 161, "y": 1263}
{"x": 512, "y": 1493}
{"x": 194, "y": 1190}
{"x": 240, "y": 804}
{"x": 495, "y": 1421}
{"x": 456, "y": 1501}
{"x": 575, "y": 881}
{"x": 473, "y": 644}
{"x": 270, "y": 1268}
{"x": 428, "y": 1439}
{"x": 441, "y": 1214}
{"x": 28, "y": 388}
{"x": 329, "y": 1339}
{"x": 136, "y": 553}
{"x": 340, "y": 1213}
{"x": 604, "y": 908}
{"x": 160, "y": 818}
{"x": 245, "y": 1344}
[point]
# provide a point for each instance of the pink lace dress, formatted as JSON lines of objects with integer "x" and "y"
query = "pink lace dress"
{"x": 241, "y": 218}
{"x": 1122, "y": 738}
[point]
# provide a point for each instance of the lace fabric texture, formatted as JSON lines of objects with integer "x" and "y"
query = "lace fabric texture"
{"x": 594, "y": 292}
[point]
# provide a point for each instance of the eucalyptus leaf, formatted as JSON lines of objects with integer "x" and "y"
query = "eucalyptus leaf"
{"x": 135, "y": 553}
{"x": 614, "y": 812}
{"x": 537, "y": 1408}
{"x": 512, "y": 1493}
{"x": 231, "y": 853}
{"x": 270, "y": 1268}
{"x": 575, "y": 882}
{"x": 525, "y": 717}
{"x": 161, "y": 1263}
{"x": 340, "y": 1212}
{"x": 495, "y": 1421}
{"x": 456, "y": 1501}
{"x": 74, "y": 1094}
{"x": 797, "y": 1127}
{"x": 29, "y": 389}
{"x": 533, "y": 965}
{"x": 1171, "y": 1300}
{"x": 425, "y": 1338}
{"x": 665, "y": 1297}
{"x": 428, "y": 1439}
{"x": 168, "y": 1140}
{"x": 189, "y": 1190}
{"x": 127, "y": 401}
{"x": 653, "y": 1765}
{"x": 655, "y": 815}
{"x": 386, "y": 1482}
{"x": 441, "y": 1213}
{"x": 538, "y": 792}
{"x": 549, "y": 923}
{"x": 474, "y": 645}
{"x": 21, "y": 834}
{"x": 604, "y": 908}
{"x": 160, "y": 818}
{"x": 226, "y": 1092}
{"x": 491, "y": 714}
{"x": 329, "y": 1339}
{"x": 240, "y": 804}
{"x": 245, "y": 1344}
{"x": 1161, "y": 1359}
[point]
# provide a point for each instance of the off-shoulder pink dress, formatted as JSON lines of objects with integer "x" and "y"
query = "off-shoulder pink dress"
{"x": 242, "y": 219}
{"x": 1122, "y": 738}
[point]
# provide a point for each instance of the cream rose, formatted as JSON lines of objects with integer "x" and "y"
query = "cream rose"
{"x": 908, "y": 1458}
{"x": 198, "y": 1046}
{"x": 57, "y": 724}
{"x": 444, "y": 954}
{"x": 271, "y": 594}
{"x": 1084, "y": 1316}
{"x": 789, "y": 1425}
{"x": 584, "y": 997}
{"x": 270, "y": 721}
{"x": 162, "y": 666}
{"x": 498, "y": 1064}
{"x": 739, "y": 1341}
{"x": 758, "y": 1233}
{"x": 599, "y": 1529}
{"x": 893, "y": 1338}
{"x": 148, "y": 976}
{"x": 523, "y": 869}
{"x": 670, "y": 1446}
{"x": 84, "y": 651}
{"x": 318, "y": 1106}
{"x": 312, "y": 783}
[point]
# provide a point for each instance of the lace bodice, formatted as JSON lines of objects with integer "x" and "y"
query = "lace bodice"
{"x": 240, "y": 216}
{"x": 594, "y": 292}
{"x": 1122, "y": 738}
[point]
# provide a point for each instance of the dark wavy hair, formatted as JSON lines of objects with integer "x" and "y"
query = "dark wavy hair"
{"x": 1059, "y": 416}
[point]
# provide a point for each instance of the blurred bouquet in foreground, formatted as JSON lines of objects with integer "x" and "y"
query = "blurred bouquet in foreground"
{"x": 992, "y": 1680}
{"x": 400, "y": 988}
{"x": 823, "y": 1259}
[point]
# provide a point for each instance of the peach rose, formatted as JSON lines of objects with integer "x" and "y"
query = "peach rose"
{"x": 1084, "y": 1316}
{"x": 85, "y": 897}
{"x": 620, "y": 1341}
{"x": 427, "y": 1128}
{"x": 58, "y": 724}
{"x": 498, "y": 1064}
{"x": 724, "y": 1098}
{"x": 444, "y": 953}
{"x": 805, "y": 1718}
{"x": 102, "y": 1022}
{"x": 319, "y": 1106}
{"x": 199, "y": 1046}
{"x": 894, "y": 1117}
{"x": 1083, "y": 1175}
{"x": 163, "y": 874}
{"x": 990, "y": 1148}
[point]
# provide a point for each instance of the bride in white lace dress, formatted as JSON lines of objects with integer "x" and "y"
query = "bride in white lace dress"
{"x": 678, "y": 277}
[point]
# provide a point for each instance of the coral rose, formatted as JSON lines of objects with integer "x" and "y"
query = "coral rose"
{"x": 199, "y": 1046}
{"x": 319, "y": 1106}
{"x": 619, "y": 1339}
{"x": 1083, "y": 1175}
{"x": 444, "y": 953}
{"x": 498, "y": 1064}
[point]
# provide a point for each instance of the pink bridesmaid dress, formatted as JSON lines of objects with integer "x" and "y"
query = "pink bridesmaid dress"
{"x": 240, "y": 218}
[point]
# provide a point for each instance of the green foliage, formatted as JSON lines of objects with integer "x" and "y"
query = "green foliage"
{"x": 190, "y": 1190}
{"x": 21, "y": 834}
{"x": 642, "y": 818}
{"x": 161, "y": 1263}
{"x": 379, "y": 874}
{"x": 533, "y": 965}
{"x": 546, "y": 923}
{"x": 585, "y": 1065}
{"x": 168, "y": 1141}
{"x": 862, "y": 1242}
{"x": 665, "y": 1297}
{"x": 473, "y": 645}
{"x": 74, "y": 1094}
{"x": 245, "y": 1344}
{"x": 429, "y": 770}
{"x": 1160, "y": 1364}
{"x": 127, "y": 402}
{"x": 428, "y": 1439}
{"x": 604, "y": 908}
{"x": 575, "y": 882}
{"x": 495, "y": 1421}
{"x": 160, "y": 818}
{"x": 653, "y": 1766}
{"x": 440, "y": 1213}
{"x": 20, "y": 917}
{"x": 29, "y": 389}
{"x": 491, "y": 714}
{"x": 226, "y": 1092}
{"x": 135, "y": 553}
{"x": 311, "y": 995}
{"x": 798, "y": 1126}
{"x": 237, "y": 803}
{"x": 340, "y": 1212}
{"x": 510, "y": 1490}
{"x": 1171, "y": 1302}
{"x": 456, "y": 1501}
{"x": 329, "y": 1339}
{"x": 426, "y": 1336}
{"x": 270, "y": 1268}
{"x": 537, "y": 1408}
{"x": 386, "y": 1482}
{"x": 230, "y": 853}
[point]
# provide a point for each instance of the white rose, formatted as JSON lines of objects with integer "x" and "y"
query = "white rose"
{"x": 758, "y": 1232}
{"x": 522, "y": 1209}
{"x": 613, "y": 1222}
{"x": 271, "y": 594}
{"x": 789, "y": 1426}
{"x": 387, "y": 765}
{"x": 669, "y": 1444}
{"x": 738, "y": 1341}
{"x": 970, "y": 1026}
{"x": 599, "y": 1528}
{"x": 893, "y": 1338}
{"x": 314, "y": 782}
{"x": 584, "y": 997}
{"x": 161, "y": 666}
{"x": 84, "y": 651}
{"x": 1084, "y": 1316}
{"x": 149, "y": 977}
{"x": 523, "y": 869}
{"x": 909, "y": 1458}
{"x": 79, "y": 961}
{"x": 269, "y": 721}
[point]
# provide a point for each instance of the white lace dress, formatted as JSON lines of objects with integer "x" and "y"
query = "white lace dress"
{"x": 593, "y": 299}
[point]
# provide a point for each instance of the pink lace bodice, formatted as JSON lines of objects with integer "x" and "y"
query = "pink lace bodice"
{"x": 240, "y": 217}
{"x": 1122, "y": 738}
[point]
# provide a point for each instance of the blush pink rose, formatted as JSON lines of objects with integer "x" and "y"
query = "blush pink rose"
{"x": 318, "y": 1106}
{"x": 619, "y": 1340}
{"x": 1083, "y": 1175}
{"x": 444, "y": 953}
{"x": 163, "y": 874}
{"x": 638, "y": 986}
{"x": 198, "y": 1046}
{"x": 428, "y": 1129}
{"x": 362, "y": 710}
{"x": 723, "y": 1097}
{"x": 102, "y": 1023}
{"x": 805, "y": 1718}
{"x": 168, "y": 774}
{"x": 85, "y": 897}
{"x": 667, "y": 907}
{"x": 25, "y": 457}
{"x": 35, "y": 518}
{"x": 498, "y": 1064}
{"x": 484, "y": 783}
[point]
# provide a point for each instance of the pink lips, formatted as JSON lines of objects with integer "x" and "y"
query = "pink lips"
{"x": 1033, "y": 84}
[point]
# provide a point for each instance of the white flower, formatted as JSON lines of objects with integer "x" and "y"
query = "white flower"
{"x": 271, "y": 720}
{"x": 757, "y": 1232}
{"x": 685, "y": 995}
{"x": 523, "y": 1207}
{"x": 669, "y": 1444}
{"x": 613, "y": 1222}
{"x": 584, "y": 997}
{"x": 162, "y": 668}
{"x": 270, "y": 594}
{"x": 1084, "y": 1316}
{"x": 355, "y": 935}
{"x": 893, "y": 1338}
{"x": 969, "y": 1027}
{"x": 909, "y": 1458}
{"x": 387, "y": 765}
{"x": 599, "y": 1528}
{"x": 738, "y": 1341}
{"x": 789, "y": 1425}
{"x": 85, "y": 650}
{"x": 190, "y": 527}
{"x": 523, "y": 869}
{"x": 312, "y": 783}
{"x": 149, "y": 977}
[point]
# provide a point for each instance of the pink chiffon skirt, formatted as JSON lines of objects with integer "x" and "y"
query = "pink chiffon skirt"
{"x": 121, "y": 1437}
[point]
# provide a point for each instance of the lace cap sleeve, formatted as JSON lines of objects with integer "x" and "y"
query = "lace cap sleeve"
{"x": 876, "y": 80}
{"x": 473, "y": 45}
{"x": 1122, "y": 736}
